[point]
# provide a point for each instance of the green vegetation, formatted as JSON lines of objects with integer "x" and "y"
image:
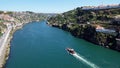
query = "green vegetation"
{"x": 9, "y": 12}
{"x": 81, "y": 23}
{"x": 83, "y": 16}
{"x": 1, "y": 34}
{"x": 1, "y": 12}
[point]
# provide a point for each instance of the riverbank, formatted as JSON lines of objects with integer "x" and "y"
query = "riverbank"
{"x": 16, "y": 20}
{"x": 6, "y": 52}
{"x": 89, "y": 33}
{"x": 4, "y": 48}
{"x": 4, "y": 56}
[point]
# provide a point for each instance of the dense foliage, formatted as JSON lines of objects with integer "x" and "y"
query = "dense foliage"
{"x": 81, "y": 24}
{"x": 83, "y": 16}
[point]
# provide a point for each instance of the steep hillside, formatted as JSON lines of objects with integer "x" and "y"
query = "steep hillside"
{"x": 84, "y": 24}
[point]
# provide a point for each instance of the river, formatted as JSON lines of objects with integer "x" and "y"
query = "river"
{"x": 38, "y": 45}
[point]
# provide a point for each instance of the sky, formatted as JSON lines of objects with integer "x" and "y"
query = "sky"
{"x": 50, "y": 6}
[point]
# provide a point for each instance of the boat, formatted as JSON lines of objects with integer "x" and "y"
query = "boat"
{"x": 70, "y": 50}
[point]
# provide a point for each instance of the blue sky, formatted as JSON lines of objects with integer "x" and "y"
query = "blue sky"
{"x": 50, "y": 6}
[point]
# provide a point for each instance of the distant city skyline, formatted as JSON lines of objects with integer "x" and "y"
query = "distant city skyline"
{"x": 50, "y": 6}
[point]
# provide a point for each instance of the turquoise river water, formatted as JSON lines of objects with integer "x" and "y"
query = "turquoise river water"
{"x": 38, "y": 45}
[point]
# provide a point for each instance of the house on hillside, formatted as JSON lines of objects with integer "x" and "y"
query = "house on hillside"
{"x": 103, "y": 30}
{"x": 116, "y": 20}
{"x": 98, "y": 27}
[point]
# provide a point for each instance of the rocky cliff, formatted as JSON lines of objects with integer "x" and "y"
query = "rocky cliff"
{"x": 81, "y": 23}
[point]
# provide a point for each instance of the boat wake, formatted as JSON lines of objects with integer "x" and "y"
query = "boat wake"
{"x": 80, "y": 58}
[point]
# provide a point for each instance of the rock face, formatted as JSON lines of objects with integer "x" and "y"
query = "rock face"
{"x": 118, "y": 44}
{"x": 89, "y": 33}
{"x": 81, "y": 23}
